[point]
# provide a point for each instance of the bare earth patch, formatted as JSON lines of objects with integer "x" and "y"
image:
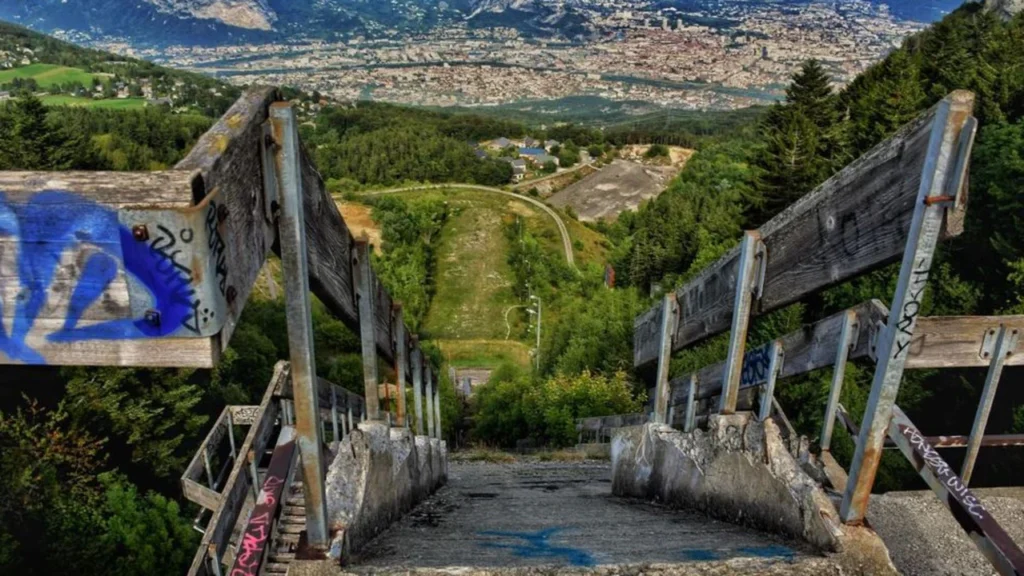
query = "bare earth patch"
{"x": 359, "y": 219}
{"x": 622, "y": 185}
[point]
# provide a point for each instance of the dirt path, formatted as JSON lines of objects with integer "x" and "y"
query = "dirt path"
{"x": 496, "y": 516}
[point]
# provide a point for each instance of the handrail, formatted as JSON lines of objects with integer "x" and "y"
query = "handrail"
{"x": 900, "y": 198}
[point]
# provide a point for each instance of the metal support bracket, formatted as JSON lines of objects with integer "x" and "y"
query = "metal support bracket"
{"x": 1005, "y": 343}
{"x": 746, "y": 283}
{"x": 991, "y": 340}
{"x": 777, "y": 355}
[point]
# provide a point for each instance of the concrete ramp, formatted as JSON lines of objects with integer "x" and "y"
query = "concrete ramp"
{"x": 531, "y": 517}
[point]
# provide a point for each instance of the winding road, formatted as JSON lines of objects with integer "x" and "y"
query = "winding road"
{"x": 562, "y": 229}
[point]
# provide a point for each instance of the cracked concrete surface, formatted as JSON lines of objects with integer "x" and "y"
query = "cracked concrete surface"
{"x": 555, "y": 518}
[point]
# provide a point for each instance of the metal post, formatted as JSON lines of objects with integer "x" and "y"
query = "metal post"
{"x": 231, "y": 437}
{"x": 292, "y": 237}
{"x": 1005, "y": 345}
{"x": 894, "y": 342}
{"x": 334, "y": 414}
{"x": 255, "y": 475}
{"x": 669, "y": 311}
{"x": 745, "y": 278}
{"x": 437, "y": 411}
{"x": 429, "y": 400}
{"x": 777, "y": 355}
{"x": 365, "y": 295}
{"x": 846, "y": 342}
{"x": 691, "y": 405}
{"x": 417, "y": 388}
{"x": 401, "y": 364}
{"x": 209, "y": 469}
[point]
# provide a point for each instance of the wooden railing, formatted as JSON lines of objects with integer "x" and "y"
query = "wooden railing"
{"x": 153, "y": 269}
{"x": 898, "y": 200}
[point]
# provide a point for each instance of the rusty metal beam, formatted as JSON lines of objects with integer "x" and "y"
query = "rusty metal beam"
{"x": 847, "y": 340}
{"x": 1006, "y": 342}
{"x": 669, "y": 316}
{"x": 742, "y": 303}
{"x": 299, "y": 308}
{"x": 990, "y": 538}
{"x": 938, "y": 177}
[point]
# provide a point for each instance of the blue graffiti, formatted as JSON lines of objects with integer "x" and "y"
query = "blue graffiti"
{"x": 708, "y": 555}
{"x": 53, "y": 222}
{"x": 537, "y": 545}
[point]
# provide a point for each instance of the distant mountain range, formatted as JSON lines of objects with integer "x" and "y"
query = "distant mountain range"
{"x": 203, "y": 22}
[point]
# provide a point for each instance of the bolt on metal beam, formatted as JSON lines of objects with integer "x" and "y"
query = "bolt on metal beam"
{"x": 298, "y": 305}
{"x": 1006, "y": 343}
{"x": 746, "y": 278}
{"x": 846, "y": 342}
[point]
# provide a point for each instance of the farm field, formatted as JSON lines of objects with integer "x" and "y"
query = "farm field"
{"x": 111, "y": 104}
{"x": 47, "y": 75}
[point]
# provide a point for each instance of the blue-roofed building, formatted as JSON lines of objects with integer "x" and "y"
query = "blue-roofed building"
{"x": 532, "y": 151}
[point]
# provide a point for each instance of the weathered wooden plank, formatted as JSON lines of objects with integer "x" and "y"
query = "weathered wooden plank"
{"x": 855, "y": 222}
{"x": 382, "y": 315}
{"x": 956, "y": 341}
{"x": 200, "y": 494}
{"x": 647, "y": 335}
{"x": 227, "y": 161}
{"x": 167, "y": 189}
{"x": 142, "y": 353}
{"x": 239, "y": 484}
{"x": 810, "y": 348}
{"x": 329, "y": 248}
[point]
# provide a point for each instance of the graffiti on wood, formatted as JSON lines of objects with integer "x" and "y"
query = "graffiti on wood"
{"x": 256, "y": 536}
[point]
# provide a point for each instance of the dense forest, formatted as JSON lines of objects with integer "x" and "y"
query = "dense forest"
{"x": 738, "y": 183}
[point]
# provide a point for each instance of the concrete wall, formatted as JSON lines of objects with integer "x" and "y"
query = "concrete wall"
{"x": 378, "y": 474}
{"x": 739, "y": 470}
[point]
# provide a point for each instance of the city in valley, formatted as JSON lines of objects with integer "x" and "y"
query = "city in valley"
{"x": 732, "y": 56}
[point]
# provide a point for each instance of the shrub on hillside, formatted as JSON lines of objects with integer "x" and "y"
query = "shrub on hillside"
{"x": 513, "y": 406}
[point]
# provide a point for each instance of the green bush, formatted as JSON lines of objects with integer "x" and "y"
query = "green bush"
{"x": 513, "y": 406}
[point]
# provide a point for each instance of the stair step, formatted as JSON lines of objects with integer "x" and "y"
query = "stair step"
{"x": 282, "y": 557}
{"x": 275, "y": 568}
{"x": 292, "y": 528}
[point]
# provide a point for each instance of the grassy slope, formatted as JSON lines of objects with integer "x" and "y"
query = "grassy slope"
{"x": 113, "y": 103}
{"x": 467, "y": 317}
{"x": 47, "y": 75}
